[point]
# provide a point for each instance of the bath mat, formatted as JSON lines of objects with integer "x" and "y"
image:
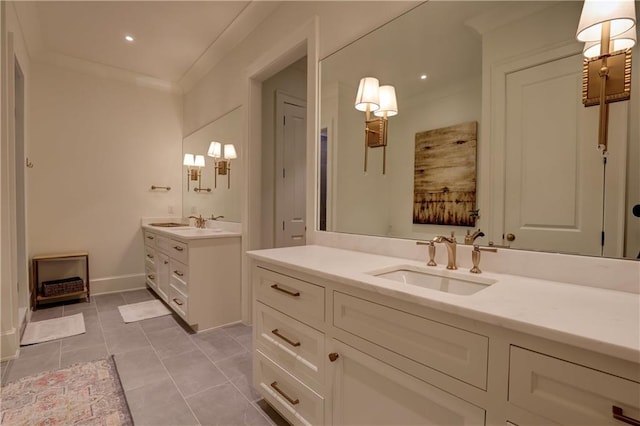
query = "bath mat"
{"x": 88, "y": 393}
{"x": 143, "y": 310}
{"x": 57, "y": 328}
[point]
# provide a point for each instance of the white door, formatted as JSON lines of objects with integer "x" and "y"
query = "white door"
{"x": 366, "y": 391}
{"x": 291, "y": 130}
{"x": 554, "y": 171}
{"x": 162, "y": 278}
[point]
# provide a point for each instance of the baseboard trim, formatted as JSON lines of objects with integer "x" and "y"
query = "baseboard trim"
{"x": 9, "y": 345}
{"x": 116, "y": 284}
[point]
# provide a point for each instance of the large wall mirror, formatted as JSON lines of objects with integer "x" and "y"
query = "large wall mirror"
{"x": 515, "y": 69}
{"x": 212, "y": 192}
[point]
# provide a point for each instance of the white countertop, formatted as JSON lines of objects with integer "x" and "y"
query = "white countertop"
{"x": 191, "y": 233}
{"x": 600, "y": 320}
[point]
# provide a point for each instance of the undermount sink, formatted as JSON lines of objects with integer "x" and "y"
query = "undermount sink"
{"x": 446, "y": 281}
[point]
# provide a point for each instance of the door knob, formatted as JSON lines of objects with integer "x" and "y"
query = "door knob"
{"x": 510, "y": 237}
{"x": 333, "y": 356}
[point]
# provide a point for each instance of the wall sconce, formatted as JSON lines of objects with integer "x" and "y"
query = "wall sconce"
{"x": 381, "y": 100}
{"x": 608, "y": 30}
{"x": 194, "y": 165}
{"x": 222, "y": 156}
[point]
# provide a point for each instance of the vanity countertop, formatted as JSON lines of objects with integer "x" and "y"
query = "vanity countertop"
{"x": 600, "y": 320}
{"x": 191, "y": 233}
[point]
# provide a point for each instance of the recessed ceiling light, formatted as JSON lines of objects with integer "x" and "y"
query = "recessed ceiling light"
{"x": 128, "y": 38}
{"x": 423, "y": 77}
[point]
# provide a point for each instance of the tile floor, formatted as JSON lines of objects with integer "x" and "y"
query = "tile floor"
{"x": 171, "y": 376}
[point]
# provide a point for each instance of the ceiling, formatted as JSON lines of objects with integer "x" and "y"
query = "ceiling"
{"x": 170, "y": 37}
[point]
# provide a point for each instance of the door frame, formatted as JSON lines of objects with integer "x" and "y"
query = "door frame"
{"x": 299, "y": 43}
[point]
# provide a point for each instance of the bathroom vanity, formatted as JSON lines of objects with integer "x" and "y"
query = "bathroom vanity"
{"x": 341, "y": 338}
{"x": 196, "y": 272}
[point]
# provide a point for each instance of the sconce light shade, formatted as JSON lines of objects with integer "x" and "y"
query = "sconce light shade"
{"x": 215, "y": 149}
{"x": 623, "y": 41}
{"x": 388, "y": 103}
{"x": 230, "y": 152}
{"x": 189, "y": 160}
{"x": 621, "y": 14}
{"x": 199, "y": 161}
{"x": 368, "y": 94}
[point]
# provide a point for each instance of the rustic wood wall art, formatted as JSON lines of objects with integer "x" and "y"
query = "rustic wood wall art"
{"x": 444, "y": 189}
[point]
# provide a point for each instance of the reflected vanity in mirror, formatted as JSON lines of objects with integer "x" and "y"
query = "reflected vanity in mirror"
{"x": 209, "y": 189}
{"x": 515, "y": 68}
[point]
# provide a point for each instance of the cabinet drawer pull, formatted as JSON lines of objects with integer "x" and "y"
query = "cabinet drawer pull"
{"x": 617, "y": 414}
{"x": 292, "y": 343}
{"x": 287, "y": 397}
{"x": 290, "y": 293}
{"x": 333, "y": 356}
{"x": 178, "y": 248}
{"x": 152, "y": 277}
{"x": 166, "y": 261}
{"x": 149, "y": 238}
{"x": 150, "y": 256}
{"x": 177, "y": 301}
{"x": 178, "y": 273}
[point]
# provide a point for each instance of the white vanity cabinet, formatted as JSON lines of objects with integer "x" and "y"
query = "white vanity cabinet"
{"x": 568, "y": 393}
{"x": 326, "y": 352}
{"x": 198, "y": 278}
{"x": 310, "y": 365}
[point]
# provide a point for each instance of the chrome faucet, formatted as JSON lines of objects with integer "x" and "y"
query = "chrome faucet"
{"x": 201, "y": 222}
{"x": 216, "y": 217}
{"x": 470, "y": 238}
{"x": 450, "y": 244}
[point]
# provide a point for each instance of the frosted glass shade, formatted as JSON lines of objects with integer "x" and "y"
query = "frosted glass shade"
{"x": 189, "y": 160}
{"x": 230, "y": 152}
{"x": 623, "y": 41}
{"x": 199, "y": 161}
{"x": 368, "y": 94}
{"x": 388, "y": 102}
{"x": 215, "y": 149}
{"x": 620, "y": 13}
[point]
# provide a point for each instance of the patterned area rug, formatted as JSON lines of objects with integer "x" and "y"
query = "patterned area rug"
{"x": 88, "y": 393}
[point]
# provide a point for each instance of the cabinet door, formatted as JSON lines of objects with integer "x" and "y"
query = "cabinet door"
{"x": 366, "y": 391}
{"x": 162, "y": 280}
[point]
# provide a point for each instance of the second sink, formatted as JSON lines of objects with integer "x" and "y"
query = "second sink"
{"x": 413, "y": 275}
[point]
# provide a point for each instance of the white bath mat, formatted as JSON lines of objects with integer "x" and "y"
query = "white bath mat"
{"x": 143, "y": 310}
{"x": 57, "y": 328}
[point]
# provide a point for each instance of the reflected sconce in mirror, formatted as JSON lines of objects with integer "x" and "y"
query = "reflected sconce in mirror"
{"x": 381, "y": 100}
{"x": 222, "y": 156}
{"x": 608, "y": 29}
{"x": 194, "y": 164}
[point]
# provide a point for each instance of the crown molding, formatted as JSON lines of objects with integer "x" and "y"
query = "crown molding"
{"x": 250, "y": 17}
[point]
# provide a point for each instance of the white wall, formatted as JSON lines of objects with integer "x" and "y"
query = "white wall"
{"x": 97, "y": 146}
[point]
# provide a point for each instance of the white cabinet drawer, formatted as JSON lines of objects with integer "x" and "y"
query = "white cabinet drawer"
{"x": 299, "y": 299}
{"x": 149, "y": 238}
{"x": 295, "y": 401}
{"x": 176, "y": 249}
{"x": 453, "y": 351}
{"x": 149, "y": 256}
{"x": 151, "y": 277}
{"x": 294, "y": 346}
{"x": 179, "y": 276}
{"x": 568, "y": 393}
{"x": 179, "y": 302}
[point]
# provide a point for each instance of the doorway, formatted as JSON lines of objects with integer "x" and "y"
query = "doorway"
{"x": 283, "y": 177}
